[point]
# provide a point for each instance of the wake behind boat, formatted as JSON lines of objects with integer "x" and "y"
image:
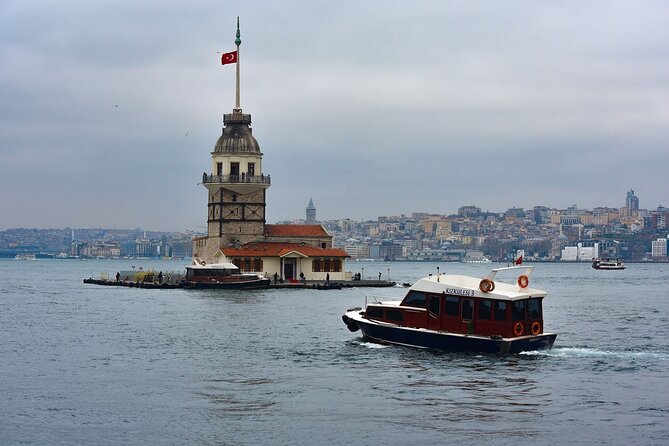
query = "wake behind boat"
{"x": 460, "y": 313}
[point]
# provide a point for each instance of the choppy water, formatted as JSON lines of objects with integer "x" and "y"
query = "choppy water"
{"x": 82, "y": 364}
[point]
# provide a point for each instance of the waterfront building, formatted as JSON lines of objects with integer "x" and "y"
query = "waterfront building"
{"x": 659, "y": 247}
{"x": 583, "y": 251}
{"x": 236, "y": 222}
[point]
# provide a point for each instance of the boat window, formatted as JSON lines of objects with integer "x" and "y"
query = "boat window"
{"x": 485, "y": 309}
{"x": 518, "y": 310}
{"x": 435, "y": 302}
{"x": 452, "y": 306}
{"x": 535, "y": 308}
{"x": 414, "y": 299}
{"x": 374, "y": 312}
{"x": 500, "y": 310}
{"x": 467, "y": 309}
{"x": 394, "y": 315}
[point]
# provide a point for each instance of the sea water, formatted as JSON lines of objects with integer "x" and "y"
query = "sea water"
{"x": 86, "y": 364}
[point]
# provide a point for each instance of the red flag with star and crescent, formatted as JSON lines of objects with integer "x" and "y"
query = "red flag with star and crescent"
{"x": 229, "y": 58}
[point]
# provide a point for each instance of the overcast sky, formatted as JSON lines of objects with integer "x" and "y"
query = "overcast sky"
{"x": 109, "y": 110}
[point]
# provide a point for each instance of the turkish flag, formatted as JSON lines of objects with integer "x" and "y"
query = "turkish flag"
{"x": 229, "y": 58}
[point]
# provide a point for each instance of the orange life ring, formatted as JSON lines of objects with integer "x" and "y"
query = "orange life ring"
{"x": 536, "y": 328}
{"x": 518, "y": 328}
{"x": 486, "y": 285}
{"x": 523, "y": 281}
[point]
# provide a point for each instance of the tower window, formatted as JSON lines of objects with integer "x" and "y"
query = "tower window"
{"x": 234, "y": 169}
{"x": 219, "y": 169}
{"x": 252, "y": 169}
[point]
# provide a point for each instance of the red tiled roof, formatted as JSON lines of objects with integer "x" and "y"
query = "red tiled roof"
{"x": 295, "y": 231}
{"x": 271, "y": 249}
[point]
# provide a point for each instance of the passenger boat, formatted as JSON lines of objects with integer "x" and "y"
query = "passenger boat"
{"x": 25, "y": 257}
{"x": 460, "y": 313}
{"x": 608, "y": 264}
{"x": 221, "y": 275}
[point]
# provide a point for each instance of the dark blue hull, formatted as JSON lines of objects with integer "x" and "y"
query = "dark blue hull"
{"x": 451, "y": 342}
{"x": 237, "y": 285}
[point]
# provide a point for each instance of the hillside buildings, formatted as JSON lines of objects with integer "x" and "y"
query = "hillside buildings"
{"x": 571, "y": 234}
{"x": 470, "y": 234}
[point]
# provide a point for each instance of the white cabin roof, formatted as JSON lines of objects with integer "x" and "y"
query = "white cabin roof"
{"x": 224, "y": 265}
{"x": 461, "y": 285}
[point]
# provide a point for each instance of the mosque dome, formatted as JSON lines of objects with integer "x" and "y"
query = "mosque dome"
{"x": 237, "y": 135}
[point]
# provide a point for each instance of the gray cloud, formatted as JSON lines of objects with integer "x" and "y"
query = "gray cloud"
{"x": 371, "y": 108}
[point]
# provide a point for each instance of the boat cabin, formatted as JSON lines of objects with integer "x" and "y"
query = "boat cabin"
{"x": 215, "y": 272}
{"x": 463, "y": 305}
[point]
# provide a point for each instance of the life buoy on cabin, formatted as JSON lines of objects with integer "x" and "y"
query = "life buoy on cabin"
{"x": 486, "y": 285}
{"x": 518, "y": 328}
{"x": 523, "y": 281}
{"x": 536, "y": 328}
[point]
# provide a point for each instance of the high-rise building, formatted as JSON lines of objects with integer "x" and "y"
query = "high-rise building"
{"x": 632, "y": 202}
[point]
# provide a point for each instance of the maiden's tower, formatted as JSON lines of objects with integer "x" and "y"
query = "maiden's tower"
{"x": 236, "y": 201}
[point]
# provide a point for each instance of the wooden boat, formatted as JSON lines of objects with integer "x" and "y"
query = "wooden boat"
{"x": 460, "y": 313}
{"x": 221, "y": 275}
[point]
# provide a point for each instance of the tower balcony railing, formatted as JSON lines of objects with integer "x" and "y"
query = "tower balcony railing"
{"x": 243, "y": 178}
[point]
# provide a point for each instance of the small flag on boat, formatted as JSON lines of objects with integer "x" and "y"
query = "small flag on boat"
{"x": 229, "y": 58}
{"x": 519, "y": 257}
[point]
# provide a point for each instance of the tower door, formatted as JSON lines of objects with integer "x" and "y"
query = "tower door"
{"x": 289, "y": 268}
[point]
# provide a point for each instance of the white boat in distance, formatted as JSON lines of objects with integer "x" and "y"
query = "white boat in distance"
{"x": 611, "y": 264}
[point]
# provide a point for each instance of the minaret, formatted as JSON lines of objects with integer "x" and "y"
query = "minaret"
{"x": 311, "y": 213}
{"x": 236, "y": 185}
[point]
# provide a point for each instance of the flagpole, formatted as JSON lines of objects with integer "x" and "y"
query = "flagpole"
{"x": 238, "y": 42}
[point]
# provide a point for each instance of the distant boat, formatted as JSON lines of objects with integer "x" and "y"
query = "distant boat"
{"x": 608, "y": 264}
{"x": 25, "y": 257}
{"x": 483, "y": 260}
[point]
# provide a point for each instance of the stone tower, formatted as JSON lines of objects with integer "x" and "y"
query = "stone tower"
{"x": 311, "y": 213}
{"x": 236, "y": 185}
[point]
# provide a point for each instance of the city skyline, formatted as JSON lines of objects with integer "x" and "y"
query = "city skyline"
{"x": 466, "y": 208}
{"x": 111, "y": 111}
